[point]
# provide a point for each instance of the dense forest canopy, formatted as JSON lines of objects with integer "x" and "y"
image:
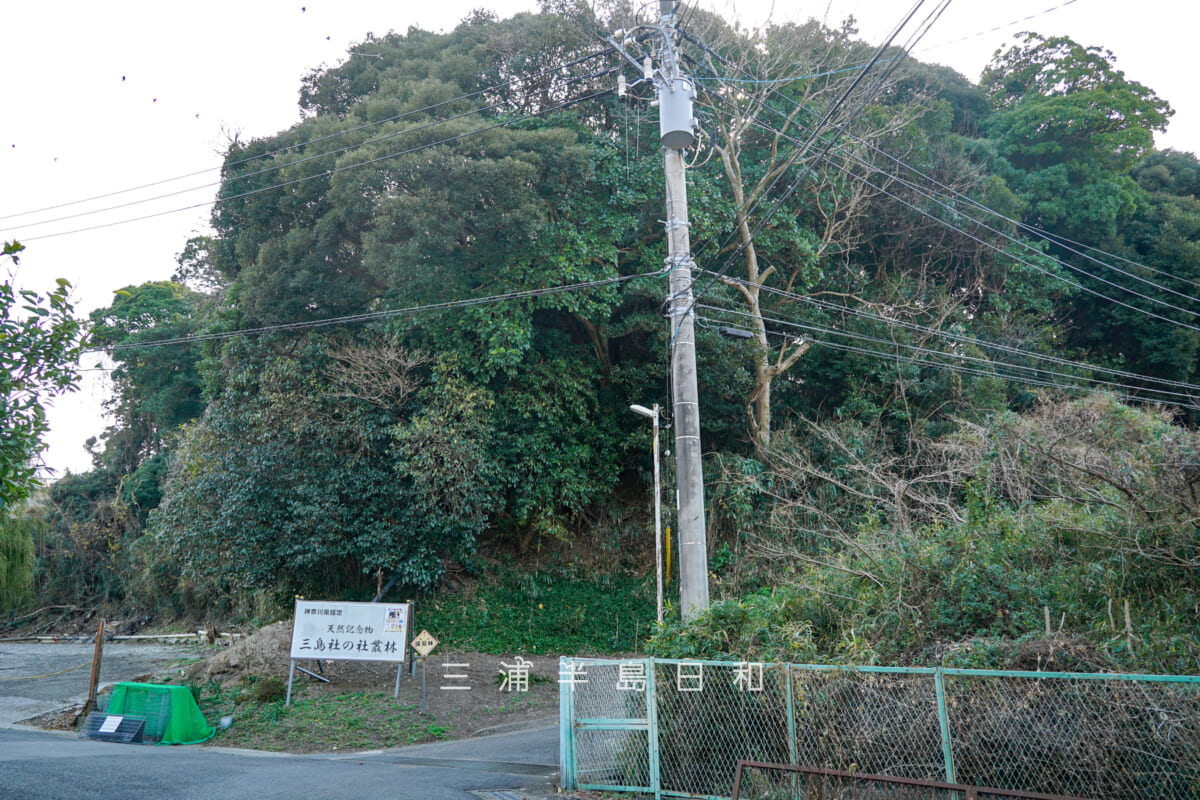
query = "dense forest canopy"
{"x": 903, "y": 442}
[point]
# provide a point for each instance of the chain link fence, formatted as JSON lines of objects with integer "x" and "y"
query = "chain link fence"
{"x": 678, "y": 728}
{"x": 753, "y": 781}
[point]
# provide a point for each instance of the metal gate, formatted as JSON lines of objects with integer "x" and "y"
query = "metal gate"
{"x": 608, "y": 735}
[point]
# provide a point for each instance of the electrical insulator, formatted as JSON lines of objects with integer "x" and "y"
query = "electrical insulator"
{"x": 622, "y": 86}
{"x": 648, "y": 69}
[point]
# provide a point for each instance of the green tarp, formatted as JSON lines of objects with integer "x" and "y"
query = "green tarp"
{"x": 171, "y": 713}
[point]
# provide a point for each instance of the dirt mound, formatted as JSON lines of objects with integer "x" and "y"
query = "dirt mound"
{"x": 265, "y": 652}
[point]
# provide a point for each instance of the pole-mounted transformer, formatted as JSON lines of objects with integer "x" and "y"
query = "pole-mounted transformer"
{"x": 676, "y": 123}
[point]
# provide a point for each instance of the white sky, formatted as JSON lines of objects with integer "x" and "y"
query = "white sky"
{"x": 101, "y": 97}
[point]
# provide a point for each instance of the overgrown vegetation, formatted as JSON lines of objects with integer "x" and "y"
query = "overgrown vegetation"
{"x": 895, "y": 474}
{"x": 1078, "y": 516}
{"x": 17, "y": 533}
{"x": 548, "y": 611}
{"x": 40, "y": 343}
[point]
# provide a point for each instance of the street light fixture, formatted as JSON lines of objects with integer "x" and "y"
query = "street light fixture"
{"x": 653, "y": 414}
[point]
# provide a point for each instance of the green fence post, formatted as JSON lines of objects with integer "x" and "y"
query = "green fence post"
{"x": 652, "y": 733}
{"x": 791, "y": 712}
{"x": 566, "y": 724}
{"x": 944, "y": 724}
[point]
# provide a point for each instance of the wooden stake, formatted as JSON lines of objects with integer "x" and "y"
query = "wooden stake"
{"x": 96, "y": 654}
{"x": 1128, "y": 627}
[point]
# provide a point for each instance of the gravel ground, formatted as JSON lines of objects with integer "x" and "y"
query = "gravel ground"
{"x": 29, "y": 686}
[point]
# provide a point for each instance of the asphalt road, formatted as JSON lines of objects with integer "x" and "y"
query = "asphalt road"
{"x": 36, "y": 765}
{"x": 40, "y": 765}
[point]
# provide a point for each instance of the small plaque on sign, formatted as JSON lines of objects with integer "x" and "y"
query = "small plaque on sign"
{"x": 424, "y": 643}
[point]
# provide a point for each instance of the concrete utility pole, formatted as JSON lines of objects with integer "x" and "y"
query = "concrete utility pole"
{"x": 689, "y": 474}
{"x": 676, "y": 125}
{"x": 675, "y": 94}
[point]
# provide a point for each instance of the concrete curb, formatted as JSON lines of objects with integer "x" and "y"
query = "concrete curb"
{"x": 512, "y": 727}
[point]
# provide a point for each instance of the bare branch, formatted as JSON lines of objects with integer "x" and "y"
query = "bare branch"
{"x": 380, "y": 373}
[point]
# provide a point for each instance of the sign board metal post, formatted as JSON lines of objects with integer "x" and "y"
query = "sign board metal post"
{"x": 287, "y": 701}
{"x": 400, "y": 667}
{"x": 412, "y": 664}
{"x": 424, "y": 643}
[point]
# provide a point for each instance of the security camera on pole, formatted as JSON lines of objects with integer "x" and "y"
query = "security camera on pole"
{"x": 676, "y": 92}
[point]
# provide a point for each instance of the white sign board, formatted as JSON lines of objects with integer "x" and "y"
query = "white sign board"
{"x": 110, "y": 724}
{"x": 350, "y": 631}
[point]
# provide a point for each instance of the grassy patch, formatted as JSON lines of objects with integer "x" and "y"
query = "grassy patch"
{"x": 543, "y": 612}
{"x": 349, "y": 721}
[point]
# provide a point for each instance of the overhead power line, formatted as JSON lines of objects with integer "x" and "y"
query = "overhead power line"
{"x": 333, "y": 171}
{"x": 1054, "y": 239}
{"x": 374, "y": 315}
{"x": 792, "y": 79}
{"x": 957, "y": 211}
{"x": 1030, "y": 264}
{"x": 309, "y": 142}
{"x": 1014, "y": 240}
{"x": 1009, "y": 371}
{"x": 957, "y": 368}
{"x": 1186, "y": 398}
{"x": 997, "y": 28}
{"x": 960, "y": 212}
{"x": 825, "y": 305}
{"x": 921, "y": 350}
{"x": 273, "y": 168}
{"x": 827, "y": 118}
